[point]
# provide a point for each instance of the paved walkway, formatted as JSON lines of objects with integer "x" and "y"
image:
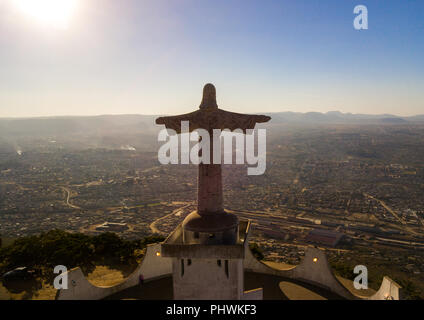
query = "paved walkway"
{"x": 275, "y": 288}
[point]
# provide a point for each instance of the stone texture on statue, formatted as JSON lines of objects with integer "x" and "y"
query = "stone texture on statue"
{"x": 210, "y": 117}
{"x": 208, "y": 247}
{"x": 209, "y": 193}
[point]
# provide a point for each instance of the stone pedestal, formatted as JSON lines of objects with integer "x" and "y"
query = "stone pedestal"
{"x": 205, "y": 270}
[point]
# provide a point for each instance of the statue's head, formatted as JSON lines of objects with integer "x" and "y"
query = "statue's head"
{"x": 209, "y": 97}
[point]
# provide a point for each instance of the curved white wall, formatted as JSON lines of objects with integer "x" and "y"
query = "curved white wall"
{"x": 315, "y": 269}
{"x": 152, "y": 267}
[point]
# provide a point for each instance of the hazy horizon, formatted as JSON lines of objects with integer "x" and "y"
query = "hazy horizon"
{"x": 162, "y": 114}
{"x": 142, "y": 57}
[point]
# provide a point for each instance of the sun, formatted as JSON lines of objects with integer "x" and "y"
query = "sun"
{"x": 53, "y": 13}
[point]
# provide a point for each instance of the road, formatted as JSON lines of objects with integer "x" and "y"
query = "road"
{"x": 390, "y": 210}
{"x": 154, "y": 223}
{"x": 68, "y": 197}
{"x": 394, "y": 214}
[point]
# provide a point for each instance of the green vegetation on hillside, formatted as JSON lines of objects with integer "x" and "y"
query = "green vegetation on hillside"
{"x": 256, "y": 251}
{"x": 375, "y": 277}
{"x": 45, "y": 251}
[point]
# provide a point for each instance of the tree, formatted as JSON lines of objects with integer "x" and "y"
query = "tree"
{"x": 256, "y": 251}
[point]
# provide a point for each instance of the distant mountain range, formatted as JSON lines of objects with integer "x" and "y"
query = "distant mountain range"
{"x": 334, "y": 117}
{"x": 145, "y": 124}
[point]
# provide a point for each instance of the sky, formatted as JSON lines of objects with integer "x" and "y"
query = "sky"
{"x": 154, "y": 57}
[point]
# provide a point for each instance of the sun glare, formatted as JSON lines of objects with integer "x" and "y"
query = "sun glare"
{"x": 53, "y": 13}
